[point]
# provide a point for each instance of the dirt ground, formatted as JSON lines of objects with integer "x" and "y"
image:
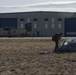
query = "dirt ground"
{"x": 21, "y": 57}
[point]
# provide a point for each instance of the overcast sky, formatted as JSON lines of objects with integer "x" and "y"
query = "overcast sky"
{"x": 37, "y": 5}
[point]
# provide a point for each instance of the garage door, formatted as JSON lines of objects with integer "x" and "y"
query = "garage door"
{"x": 70, "y": 27}
{"x": 8, "y": 22}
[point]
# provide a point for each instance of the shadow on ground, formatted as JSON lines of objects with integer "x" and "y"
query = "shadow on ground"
{"x": 66, "y": 51}
{"x": 58, "y": 52}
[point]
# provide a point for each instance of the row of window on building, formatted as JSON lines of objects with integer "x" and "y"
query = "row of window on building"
{"x": 46, "y": 22}
{"x": 35, "y": 19}
{"x": 46, "y": 26}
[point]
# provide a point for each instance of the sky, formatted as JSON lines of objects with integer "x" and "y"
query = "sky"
{"x": 37, "y": 5}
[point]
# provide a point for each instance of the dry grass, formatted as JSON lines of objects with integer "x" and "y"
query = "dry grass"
{"x": 21, "y": 57}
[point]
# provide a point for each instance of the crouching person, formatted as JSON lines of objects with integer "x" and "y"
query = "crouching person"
{"x": 56, "y": 38}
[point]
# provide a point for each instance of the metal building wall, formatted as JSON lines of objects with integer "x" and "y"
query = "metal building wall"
{"x": 47, "y": 32}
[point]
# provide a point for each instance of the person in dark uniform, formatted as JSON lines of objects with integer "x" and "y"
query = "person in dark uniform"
{"x": 56, "y": 38}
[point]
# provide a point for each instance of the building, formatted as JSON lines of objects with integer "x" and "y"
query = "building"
{"x": 39, "y": 23}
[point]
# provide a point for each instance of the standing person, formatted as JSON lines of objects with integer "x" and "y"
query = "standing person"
{"x": 56, "y": 38}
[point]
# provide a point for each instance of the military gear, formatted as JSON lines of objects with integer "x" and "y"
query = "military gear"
{"x": 56, "y": 38}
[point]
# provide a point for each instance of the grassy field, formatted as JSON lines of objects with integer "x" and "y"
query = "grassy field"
{"x": 21, "y": 57}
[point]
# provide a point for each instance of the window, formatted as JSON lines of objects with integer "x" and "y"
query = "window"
{"x": 35, "y": 19}
{"x": 53, "y": 19}
{"x": 35, "y": 25}
{"x": 53, "y": 26}
{"x": 28, "y": 20}
{"x": 46, "y": 19}
{"x": 46, "y": 22}
{"x": 46, "y": 25}
{"x": 21, "y": 25}
{"x": 59, "y": 22}
{"x": 59, "y": 25}
{"x": 59, "y": 19}
{"x": 35, "y": 22}
{"x": 21, "y": 19}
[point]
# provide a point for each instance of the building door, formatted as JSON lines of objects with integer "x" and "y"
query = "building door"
{"x": 70, "y": 27}
{"x": 28, "y": 27}
{"x": 8, "y": 22}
